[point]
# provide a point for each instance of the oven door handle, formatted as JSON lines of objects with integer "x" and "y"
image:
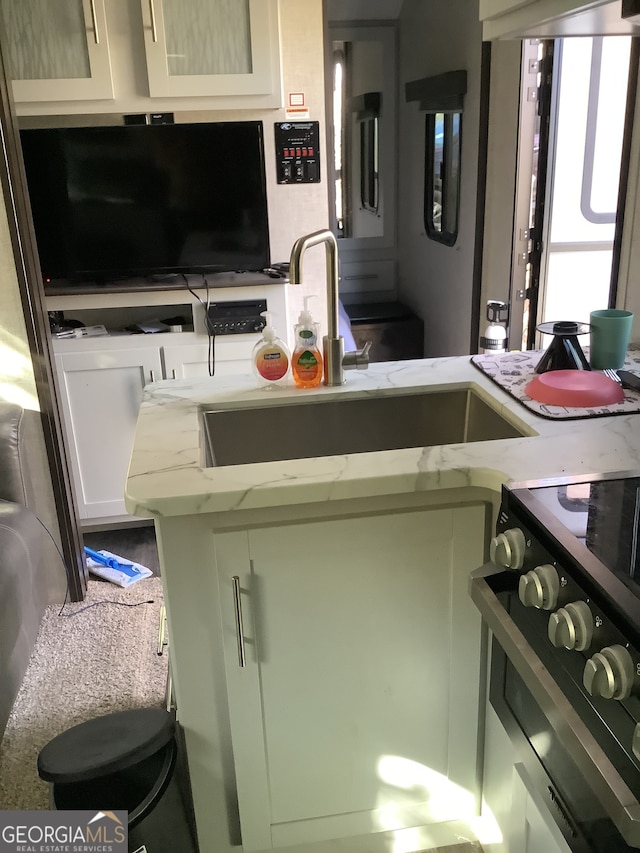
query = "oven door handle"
{"x": 617, "y": 799}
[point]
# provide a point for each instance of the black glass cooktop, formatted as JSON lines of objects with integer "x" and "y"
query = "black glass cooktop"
{"x": 601, "y": 513}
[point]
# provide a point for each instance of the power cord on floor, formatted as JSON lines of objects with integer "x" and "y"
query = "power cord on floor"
{"x": 106, "y": 601}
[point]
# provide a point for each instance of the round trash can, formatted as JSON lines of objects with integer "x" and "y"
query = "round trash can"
{"x": 125, "y": 761}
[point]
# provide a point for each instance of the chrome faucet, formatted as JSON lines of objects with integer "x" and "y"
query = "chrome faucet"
{"x": 334, "y": 356}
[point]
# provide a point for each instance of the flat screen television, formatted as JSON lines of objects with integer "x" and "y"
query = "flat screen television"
{"x": 111, "y": 203}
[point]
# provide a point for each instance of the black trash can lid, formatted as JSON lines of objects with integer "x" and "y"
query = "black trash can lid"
{"x": 105, "y": 745}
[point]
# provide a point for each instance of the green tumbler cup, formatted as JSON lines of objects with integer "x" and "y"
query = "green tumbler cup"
{"x": 609, "y": 338}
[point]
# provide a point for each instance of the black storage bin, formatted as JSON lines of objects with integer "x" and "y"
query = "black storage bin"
{"x": 132, "y": 761}
{"x": 395, "y": 332}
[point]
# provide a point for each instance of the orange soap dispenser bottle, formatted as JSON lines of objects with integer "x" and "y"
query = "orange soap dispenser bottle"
{"x": 306, "y": 361}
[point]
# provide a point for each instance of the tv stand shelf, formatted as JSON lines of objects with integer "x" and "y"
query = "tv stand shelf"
{"x": 119, "y": 320}
{"x": 164, "y": 284}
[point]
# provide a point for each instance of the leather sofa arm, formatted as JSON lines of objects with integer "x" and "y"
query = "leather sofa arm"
{"x": 15, "y": 483}
{"x": 23, "y": 597}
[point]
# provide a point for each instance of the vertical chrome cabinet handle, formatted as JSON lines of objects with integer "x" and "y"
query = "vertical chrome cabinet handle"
{"x": 237, "y": 605}
{"x": 173, "y": 373}
{"x": 154, "y": 27}
{"x": 94, "y": 22}
{"x": 152, "y": 375}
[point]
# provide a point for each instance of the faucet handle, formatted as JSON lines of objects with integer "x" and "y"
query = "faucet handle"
{"x": 358, "y": 359}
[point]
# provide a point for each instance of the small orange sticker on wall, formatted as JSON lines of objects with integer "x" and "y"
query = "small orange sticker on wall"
{"x": 297, "y": 113}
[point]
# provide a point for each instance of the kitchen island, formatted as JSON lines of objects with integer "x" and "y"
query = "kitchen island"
{"x": 327, "y": 659}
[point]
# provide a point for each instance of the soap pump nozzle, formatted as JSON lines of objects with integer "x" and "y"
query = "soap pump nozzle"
{"x": 268, "y": 333}
{"x": 305, "y": 315}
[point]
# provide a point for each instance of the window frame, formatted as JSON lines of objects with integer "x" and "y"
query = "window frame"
{"x": 450, "y": 173}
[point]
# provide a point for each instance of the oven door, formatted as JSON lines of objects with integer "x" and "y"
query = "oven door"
{"x": 592, "y": 805}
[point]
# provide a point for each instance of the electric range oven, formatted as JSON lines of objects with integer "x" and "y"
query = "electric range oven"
{"x": 561, "y": 597}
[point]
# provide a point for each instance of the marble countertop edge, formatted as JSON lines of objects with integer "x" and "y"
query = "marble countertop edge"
{"x": 166, "y": 476}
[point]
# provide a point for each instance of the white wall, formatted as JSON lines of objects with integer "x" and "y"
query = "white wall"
{"x": 363, "y": 10}
{"x": 436, "y": 280}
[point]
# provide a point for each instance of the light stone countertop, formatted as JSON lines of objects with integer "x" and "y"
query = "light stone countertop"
{"x": 166, "y": 477}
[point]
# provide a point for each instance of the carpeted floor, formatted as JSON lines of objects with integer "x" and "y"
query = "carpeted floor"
{"x": 95, "y": 658}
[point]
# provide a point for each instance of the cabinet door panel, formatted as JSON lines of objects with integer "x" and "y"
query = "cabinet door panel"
{"x": 101, "y": 395}
{"x": 350, "y": 635}
{"x": 540, "y": 833}
{"x": 57, "y": 52}
{"x": 191, "y": 361}
{"x": 211, "y": 48}
{"x": 509, "y": 799}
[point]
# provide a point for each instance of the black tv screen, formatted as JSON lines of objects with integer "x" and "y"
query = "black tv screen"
{"x": 116, "y": 202}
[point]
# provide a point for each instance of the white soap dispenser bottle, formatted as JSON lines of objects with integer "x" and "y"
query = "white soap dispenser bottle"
{"x": 270, "y": 357}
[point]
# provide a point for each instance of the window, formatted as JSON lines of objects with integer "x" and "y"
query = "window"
{"x": 367, "y": 110}
{"x": 339, "y": 98}
{"x": 442, "y": 176}
{"x": 441, "y": 98}
{"x": 369, "y": 164}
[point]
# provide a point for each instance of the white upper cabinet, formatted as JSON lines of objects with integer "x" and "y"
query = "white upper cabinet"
{"x": 211, "y": 47}
{"x": 552, "y": 18}
{"x": 142, "y": 55}
{"x": 57, "y": 52}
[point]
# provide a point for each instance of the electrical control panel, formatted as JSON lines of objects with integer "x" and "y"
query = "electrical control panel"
{"x": 297, "y": 152}
{"x": 236, "y": 318}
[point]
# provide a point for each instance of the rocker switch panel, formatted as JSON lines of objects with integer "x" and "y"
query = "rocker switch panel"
{"x": 297, "y": 152}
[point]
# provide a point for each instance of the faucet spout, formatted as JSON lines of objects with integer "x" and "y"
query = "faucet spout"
{"x": 333, "y": 343}
{"x": 331, "y": 250}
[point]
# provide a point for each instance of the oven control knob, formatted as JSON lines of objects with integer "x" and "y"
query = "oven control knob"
{"x": 539, "y": 588}
{"x": 635, "y": 742}
{"x": 609, "y": 673}
{"x": 507, "y": 549}
{"x": 571, "y": 626}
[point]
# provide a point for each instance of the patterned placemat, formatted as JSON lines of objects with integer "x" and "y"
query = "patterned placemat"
{"x": 513, "y": 370}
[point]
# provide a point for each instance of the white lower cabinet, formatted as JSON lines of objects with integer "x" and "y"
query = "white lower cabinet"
{"x": 101, "y": 394}
{"x": 510, "y": 800}
{"x": 353, "y": 684}
{"x": 101, "y": 384}
{"x": 195, "y": 361}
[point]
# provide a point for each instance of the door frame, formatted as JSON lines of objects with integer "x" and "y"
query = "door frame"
{"x": 501, "y": 248}
{"x": 36, "y": 318}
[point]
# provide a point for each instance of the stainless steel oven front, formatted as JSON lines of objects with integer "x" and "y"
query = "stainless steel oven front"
{"x": 561, "y": 599}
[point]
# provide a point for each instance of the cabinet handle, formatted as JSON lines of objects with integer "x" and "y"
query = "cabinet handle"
{"x": 152, "y": 375}
{"x": 94, "y": 22}
{"x": 173, "y": 374}
{"x": 154, "y": 28}
{"x": 237, "y": 606}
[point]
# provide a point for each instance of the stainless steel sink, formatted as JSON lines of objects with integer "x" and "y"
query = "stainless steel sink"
{"x": 306, "y": 429}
